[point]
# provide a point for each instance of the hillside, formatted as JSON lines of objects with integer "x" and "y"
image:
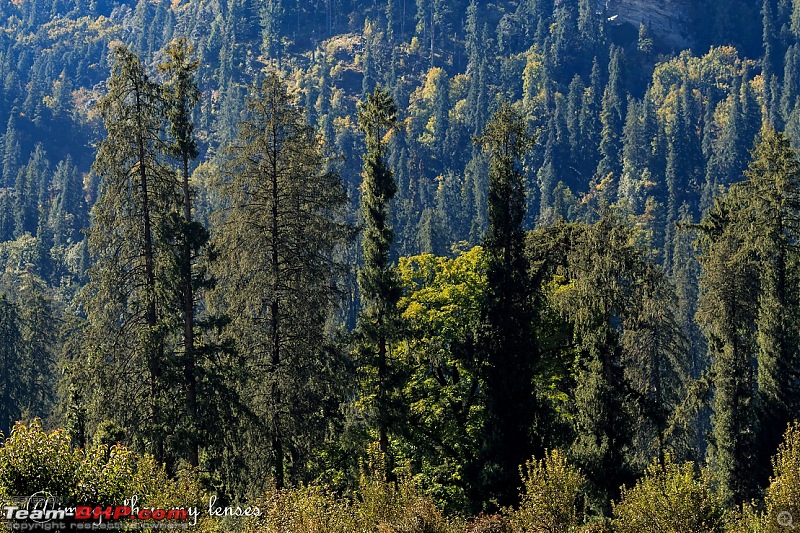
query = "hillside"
{"x": 283, "y": 241}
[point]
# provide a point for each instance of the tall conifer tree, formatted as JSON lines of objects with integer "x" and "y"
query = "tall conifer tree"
{"x": 127, "y": 302}
{"x": 181, "y": 96}
{"x": 377, "y": 279}
{"x": 276, "y": 278}
{"x": 508, "y": 341}
{"x": 771, "y": 214}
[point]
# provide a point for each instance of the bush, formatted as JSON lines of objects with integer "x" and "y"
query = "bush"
{"x": 782, "y": 499}
{"x": 489, "y": 524}
{"x": 33, "y": 460}
{"x": 309, "y": 509}
{"x": 552, "y": 492}
{"x": 670, "y": 498}
{"x": 379, "y": 506}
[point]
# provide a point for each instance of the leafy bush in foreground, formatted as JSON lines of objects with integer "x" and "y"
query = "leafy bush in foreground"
{"x": 34, "y": 460}
{"x": 551, "y": 495}
{"x": 382, "y": 506}
{"x": 782, "y": 498}
{"x": 670, "y": 498}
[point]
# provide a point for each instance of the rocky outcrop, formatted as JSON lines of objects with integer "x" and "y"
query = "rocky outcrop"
{"x": 668, "y": 20}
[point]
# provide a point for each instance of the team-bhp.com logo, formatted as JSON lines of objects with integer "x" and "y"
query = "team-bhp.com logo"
{"x": 44, "y": 512}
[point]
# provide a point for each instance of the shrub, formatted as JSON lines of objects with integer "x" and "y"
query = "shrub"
{"x": 670, "y": 498}
{"x": 310, "y": 509}
{"x": 33, "y": 460}
{"x": 489, "y": 524}
{"x": 379, "y": 506}
{"x": 782, "y": 499}
{"x": 552, "y": 491}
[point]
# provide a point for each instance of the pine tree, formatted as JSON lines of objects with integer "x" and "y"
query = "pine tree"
{"x": 790, "y": 90}
{"x": 276, "y": 278}
{"x": 128, "y": 301}
{"x": 377, "y": 279}
{"x": 635, "y": 157}
{"x": 612, "y": 118}
{"x": 769, "y": 62}
{"x": 11, "y": 387}
{"x": 726, "y": 311}
{"x": 508, "y": 342}
{"x": 181, "y": 97}
{"x": 69, "y": 213}
{"x": 11, "y": 153}
{"x": 30, "y": 179}
{"x": 772, "y": 216}
{"x": 591, "y": 103}
{"x": 566, "y": 40}
{"x": 26, "y": 352}
{"x": 599, "y": 305}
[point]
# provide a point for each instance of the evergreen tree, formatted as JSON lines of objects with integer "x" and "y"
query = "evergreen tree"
{"x": 508, "y": 342}
{"x": 618, "y": 353}
{"x": 602, "y": 432}
{"x": 181, "y": 97}
{"x": 635, "y": 157}
{"x": 612, "y": 117}
{"x": 26, "y": 351}
{"x": 276, "y": 272}
{"x": 377, "y": 279}
{"x": 726, "y": 311}
{"x": 128, "y": 300}
{"x": 69, "y": 213}
{"x": 589, "y": 121}
{"x": 30, "y": 179}
{"x": 12, "y": 364}
{"x": 772, "y": 216}
{"x": 769, "y": 62}
{"x": 791, "y": 86}
{"x": 11, "y": 153}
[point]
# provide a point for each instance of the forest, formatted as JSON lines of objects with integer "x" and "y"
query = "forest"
{"x": 522, "y": 265}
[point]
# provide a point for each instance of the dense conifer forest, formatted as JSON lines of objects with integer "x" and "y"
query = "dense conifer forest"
{"x": 522, "y": 265}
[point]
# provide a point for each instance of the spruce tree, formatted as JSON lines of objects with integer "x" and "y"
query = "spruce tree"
{"x": 30, "y": 178}
{"x": 771, "y": 216}
{"x": 11, "y": 387}
{"x": 612, "y": 118}
{"x": 377, "y": 278}
{"x": 181, "y": 97}
{"x": 508, "y": 341}
{"x": 726, "y": 311}
{"x": 69, "y": 214}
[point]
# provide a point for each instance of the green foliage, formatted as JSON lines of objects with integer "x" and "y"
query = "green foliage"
{"x": 33, "y": 460}
{"x": 441, "y": 317}
{"x": 506, "y": 339}
{"x": 484, "y": 360}
{"x": 378, "y": 506}
{"x": 181, "y": 96}
{"x": 617, "y": 352}
{"x": 749, "y": 313}
{"x": 27, "y": 340}
{"x": 277, "y": 273}
{"x": 377, "y": 279}
{"x": 670, "y": 498}
{"x": 130, "y": 307}
{"x": 725, "y": 312}
{"x": 552, "y": 492}
{"x": 783, "y": 493}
